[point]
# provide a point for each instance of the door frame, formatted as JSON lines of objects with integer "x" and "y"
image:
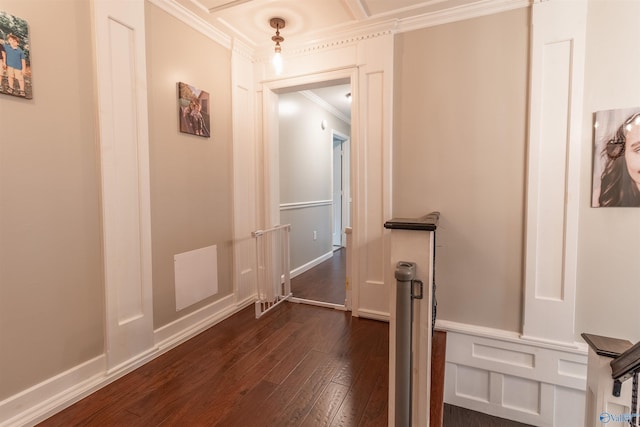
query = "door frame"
{"x": 345, "y": 190}
{"x": 271, "y": 178}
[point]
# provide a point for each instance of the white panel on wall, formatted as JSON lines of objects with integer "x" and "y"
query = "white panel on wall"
{"x": 555, "y": 138}
{"x": 521, "y": 394}
{"x": 125, "y": 147}
{"x": 119, "y": 39}
{"x": 472, "y": 383}
{"x": 528, "y": 382}
{"x": 373, "y": 177}
{"x": 245, "y": 172}
{"x": 572, "y": 368}
{"x": 553, "y": 182}
{"x": 517, "y": 358}
{"x": 571, "y": 412}
{"x": 196, "y": 275}
{"x": 373, "y": 300}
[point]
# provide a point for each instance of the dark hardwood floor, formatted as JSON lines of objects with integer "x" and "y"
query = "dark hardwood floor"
{"x": 299, "y": 365}
{"x": 325, "y": 282}
{"x": 454, "y": 416}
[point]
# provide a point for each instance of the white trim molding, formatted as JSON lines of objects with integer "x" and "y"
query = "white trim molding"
{"x": 498, "y": 373}
{"x": 460, "y": 13}
{"x": 183, "y": 14}
{"x": 305, "y": 205}
{"x": 308, "y": 266}
{"x": 39, "y": 402}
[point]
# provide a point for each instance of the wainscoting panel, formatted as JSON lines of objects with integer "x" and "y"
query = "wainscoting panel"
{"x": 498, "y": 373}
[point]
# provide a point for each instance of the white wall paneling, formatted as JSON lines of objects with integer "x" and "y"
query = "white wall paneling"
{"x": 499, "y": 373}
{"x": 124, "y": 155}
{"x": 373, "y": 180}
{"x": 557, "y": 76}
{"x": 244, "y": 173}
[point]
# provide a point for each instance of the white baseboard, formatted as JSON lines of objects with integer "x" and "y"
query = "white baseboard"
{"x": 41, "y": 401}
{"x": 175, "y": 333}
{"x": 499, "y": 373}
{"x": 308, "y": 266}
{"x": 373, "y": 314}
{"x": 318, "y": 303}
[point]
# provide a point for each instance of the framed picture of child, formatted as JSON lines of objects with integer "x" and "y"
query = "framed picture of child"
{"x": 193, "y": 110}
{"x": 616, "y": 158}
{"x": 15, "y": 63}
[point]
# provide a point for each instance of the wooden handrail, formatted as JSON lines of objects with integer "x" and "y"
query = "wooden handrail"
{"x": 624, "y": 366}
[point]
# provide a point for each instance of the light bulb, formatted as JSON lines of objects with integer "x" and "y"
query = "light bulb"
{"x": 277, "y": 63}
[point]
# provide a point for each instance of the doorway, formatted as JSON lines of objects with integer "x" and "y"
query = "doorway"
{"x": 341, "y": 179}
{"x": 313, "y": 159}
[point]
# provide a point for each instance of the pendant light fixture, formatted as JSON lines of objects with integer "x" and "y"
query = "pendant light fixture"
{"x": 277, "y": 23}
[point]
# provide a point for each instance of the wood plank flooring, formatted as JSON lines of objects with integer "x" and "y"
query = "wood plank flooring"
{"x": 300, "y": 365}
{"x": 325, "y": 282}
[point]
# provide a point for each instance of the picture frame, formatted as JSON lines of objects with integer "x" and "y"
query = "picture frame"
{"x": 15, "y": 57}
{"x": 616, "y": 158}
{"x": 193, "y": 110}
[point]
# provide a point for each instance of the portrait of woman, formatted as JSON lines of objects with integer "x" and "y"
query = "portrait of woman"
{"x": 616, "y": 159}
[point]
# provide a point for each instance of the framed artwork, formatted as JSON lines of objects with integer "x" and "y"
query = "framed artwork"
{"x": 616, "y": 158}
{"x": 193, "y": 110}
{"x": 15, "y": 69}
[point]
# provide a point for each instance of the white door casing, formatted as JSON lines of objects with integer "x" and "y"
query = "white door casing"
{"x": 337, "y": 193}
{"x": 368, "y": 64}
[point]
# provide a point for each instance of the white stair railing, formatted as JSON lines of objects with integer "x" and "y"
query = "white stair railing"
{"x": 274, "y": 278}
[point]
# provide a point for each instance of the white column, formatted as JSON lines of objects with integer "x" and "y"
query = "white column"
{"x": 372, "y": 185}
{"x": 557, "y": 81}
{"x": 119, "y": 35}
{"x": 245, "y": 168}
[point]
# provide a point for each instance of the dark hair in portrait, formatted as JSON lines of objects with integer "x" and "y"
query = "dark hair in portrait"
{"x": 618, "y": 187}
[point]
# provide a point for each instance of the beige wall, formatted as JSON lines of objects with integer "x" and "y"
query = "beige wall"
{"x": 51, "y": 290}
{"x": 608, "y": 291}
{"x": 190, "y": 176}
{"x": 459, "y": 148}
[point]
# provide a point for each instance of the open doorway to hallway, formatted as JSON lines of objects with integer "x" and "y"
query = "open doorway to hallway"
{"x": 314, "y": 127}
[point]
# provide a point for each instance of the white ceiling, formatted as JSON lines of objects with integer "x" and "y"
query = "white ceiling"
{"x": 248, "y": 20}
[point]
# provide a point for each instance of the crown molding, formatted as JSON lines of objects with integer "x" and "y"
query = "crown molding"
{"x": 325, "y": 105}
{"x": 342, "y": 35}
{"x": 342, "y": 38}
{"x": 353, "y": 33}
{"x": 460, "y": 13}
{"x": 194, "y": 21}
{"x": 242, "y": 49}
